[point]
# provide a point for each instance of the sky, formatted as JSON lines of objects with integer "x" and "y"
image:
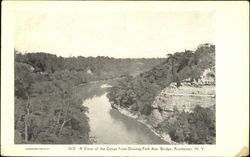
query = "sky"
{"x": 120, "y": 33}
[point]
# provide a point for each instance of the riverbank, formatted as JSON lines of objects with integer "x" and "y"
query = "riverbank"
{"x": 182, "y": 99}
{"x": 143, "y": 120}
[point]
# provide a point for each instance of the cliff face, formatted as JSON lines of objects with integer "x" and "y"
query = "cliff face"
{"x": 185, "y": 97}
{"x": 185, "y": 81}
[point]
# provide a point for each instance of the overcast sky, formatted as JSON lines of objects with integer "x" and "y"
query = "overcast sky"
{"x": 111, "y": 32}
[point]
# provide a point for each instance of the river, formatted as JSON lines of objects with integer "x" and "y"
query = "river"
{"x": 109, "y": 126}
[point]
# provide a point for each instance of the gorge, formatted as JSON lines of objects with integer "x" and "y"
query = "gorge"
{"x": 102, "y": 100}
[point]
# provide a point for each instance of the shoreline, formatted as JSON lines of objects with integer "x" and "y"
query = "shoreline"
{"x": 163, "y": 136}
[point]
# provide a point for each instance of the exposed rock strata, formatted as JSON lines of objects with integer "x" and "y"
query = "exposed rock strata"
{"x": 190, "y": 93}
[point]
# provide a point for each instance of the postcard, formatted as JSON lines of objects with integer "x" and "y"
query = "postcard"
{"x": 125, "y": 78}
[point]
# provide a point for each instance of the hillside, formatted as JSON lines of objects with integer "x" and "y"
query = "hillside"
{"x": 48, "y": 109}
{"x": 88, "y": 68}
{"x": 181, "y": 85}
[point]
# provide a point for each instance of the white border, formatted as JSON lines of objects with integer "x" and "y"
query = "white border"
{"x": 232, "y": 74}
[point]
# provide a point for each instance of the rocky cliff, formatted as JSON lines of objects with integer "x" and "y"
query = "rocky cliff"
{"x": 174, "y": 97}
{"x": 185, "y": 97}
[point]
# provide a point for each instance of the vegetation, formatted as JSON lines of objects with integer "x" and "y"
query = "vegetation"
{"x": 137, "y": 94}
{"x": 48, "y": 108}
{"x": 197, "y": 127}
{"x": 86, "y": 68}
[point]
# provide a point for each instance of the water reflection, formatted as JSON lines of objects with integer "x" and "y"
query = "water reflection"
{"x": 109, "y": 126}
{"x": 141, "y": 134}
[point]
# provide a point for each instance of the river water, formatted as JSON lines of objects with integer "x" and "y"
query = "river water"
{"x": 109, "y": 126}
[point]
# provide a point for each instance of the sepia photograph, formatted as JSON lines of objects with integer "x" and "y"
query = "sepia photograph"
{"x": 132, "y": 75}
{"x": 114, "y": 77}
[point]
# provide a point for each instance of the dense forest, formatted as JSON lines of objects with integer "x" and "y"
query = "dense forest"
{"x": 197, "y": 127}
{"x": 48, "y": 104}
{"x": 137, "y": 93}
{"x": 47, "y": 107}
